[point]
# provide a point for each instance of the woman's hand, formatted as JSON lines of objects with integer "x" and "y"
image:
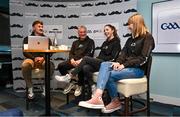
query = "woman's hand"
{"x": 117, "y": 66}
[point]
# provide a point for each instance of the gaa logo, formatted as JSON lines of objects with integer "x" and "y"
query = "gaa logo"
{"x": 170, "y": 26}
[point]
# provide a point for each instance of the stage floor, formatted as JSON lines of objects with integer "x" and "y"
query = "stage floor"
{"x": 60, "y": 108}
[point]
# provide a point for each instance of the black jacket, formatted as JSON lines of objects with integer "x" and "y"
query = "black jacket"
{"x": 109, "y": 49}
{"x": 32, "y": 55}
{"x": 136, "y": 51}
{"x": 81, "y": 48}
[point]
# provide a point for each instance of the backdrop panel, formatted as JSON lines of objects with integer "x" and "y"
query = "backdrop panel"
{"x": 63, "y": 18}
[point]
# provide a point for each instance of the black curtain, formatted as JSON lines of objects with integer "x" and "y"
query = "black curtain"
{"x": 4, "y": 29}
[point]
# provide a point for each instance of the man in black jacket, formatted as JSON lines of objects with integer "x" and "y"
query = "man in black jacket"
{"x": 84, "y": 46}
{"x": 34, "y": 60}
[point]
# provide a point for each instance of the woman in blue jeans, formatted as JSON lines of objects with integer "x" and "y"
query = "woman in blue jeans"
{"x": 129, "y": 64}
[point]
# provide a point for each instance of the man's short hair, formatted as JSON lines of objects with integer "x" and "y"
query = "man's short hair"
{"x": 37, "y": 22}
{"x": 82, "y": 26}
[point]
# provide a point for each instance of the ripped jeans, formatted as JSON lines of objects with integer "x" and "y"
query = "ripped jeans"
{"x": 108, "y": 77}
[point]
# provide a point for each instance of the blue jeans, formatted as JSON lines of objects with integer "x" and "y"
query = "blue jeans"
{"x": 108, "y": 77}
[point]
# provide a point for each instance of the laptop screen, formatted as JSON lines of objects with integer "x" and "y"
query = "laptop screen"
{"x": 38, "y": 43}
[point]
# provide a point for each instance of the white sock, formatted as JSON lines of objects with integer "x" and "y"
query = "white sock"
{"x": 93, "y": 88}
{"x": 30, "y": 90}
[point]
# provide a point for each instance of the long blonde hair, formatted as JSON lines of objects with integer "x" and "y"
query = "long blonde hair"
{"x": 139, "y": 27}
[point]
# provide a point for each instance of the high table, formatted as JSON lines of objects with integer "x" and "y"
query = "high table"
{"x": 47, "y": 75}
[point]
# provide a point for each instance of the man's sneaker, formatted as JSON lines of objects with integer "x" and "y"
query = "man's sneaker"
{"x": 65, "y": 78}
{"x": 78, "y": 90}
{"x": 30, "y": 95}
{"x": 68, "y": 88}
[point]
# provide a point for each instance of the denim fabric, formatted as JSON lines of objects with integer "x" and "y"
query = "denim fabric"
{"x": 108, "y": 77}
{"x": 63, "y": 67}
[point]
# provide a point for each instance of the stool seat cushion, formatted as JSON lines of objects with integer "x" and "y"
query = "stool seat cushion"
{"x": 129, "y": 87}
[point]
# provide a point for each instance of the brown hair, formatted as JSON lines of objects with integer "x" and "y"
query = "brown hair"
{"x": 113, "y": 28}
{"x": 139, "y": 27}
{"x": 37, "y": 22}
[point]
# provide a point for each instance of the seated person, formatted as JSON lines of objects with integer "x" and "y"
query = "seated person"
{"x": 129, "y": 64}
{"x": 88, "y": 65}
{"x": 34, "y": 60}
{"x": 84, "y": 46}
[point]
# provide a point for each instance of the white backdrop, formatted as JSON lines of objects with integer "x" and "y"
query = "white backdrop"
{"x": 64, "y": 17}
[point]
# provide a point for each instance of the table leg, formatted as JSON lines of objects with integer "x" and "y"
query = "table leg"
{"x": 47, "y": 84}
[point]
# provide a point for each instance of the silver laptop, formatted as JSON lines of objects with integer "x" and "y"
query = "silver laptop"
{"x": 38, "y": 43}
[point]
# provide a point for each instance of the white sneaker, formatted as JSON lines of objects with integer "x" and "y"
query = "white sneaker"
{"x": 65, "y": 78}
{"x": 78, "y": 91}
{"x": 9, "y": 85}
{"x": 68, "y": 88}
{"x": 30, "y": 95}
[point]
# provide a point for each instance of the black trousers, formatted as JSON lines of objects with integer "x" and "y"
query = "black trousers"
{"x": 87, "y": 67}
{"x": 65, "y": 66}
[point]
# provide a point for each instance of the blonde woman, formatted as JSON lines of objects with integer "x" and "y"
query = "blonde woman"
{"x": 129, "y": 64}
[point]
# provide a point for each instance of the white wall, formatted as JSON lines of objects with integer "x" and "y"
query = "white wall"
{"x": 165, "y": 75}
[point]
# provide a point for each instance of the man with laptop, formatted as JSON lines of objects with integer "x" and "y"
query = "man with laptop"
{"x": 35, "y": 60}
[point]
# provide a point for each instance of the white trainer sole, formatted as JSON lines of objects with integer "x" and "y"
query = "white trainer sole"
{"x": 111, "y": 110}
{"x": 87, "y": 105}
